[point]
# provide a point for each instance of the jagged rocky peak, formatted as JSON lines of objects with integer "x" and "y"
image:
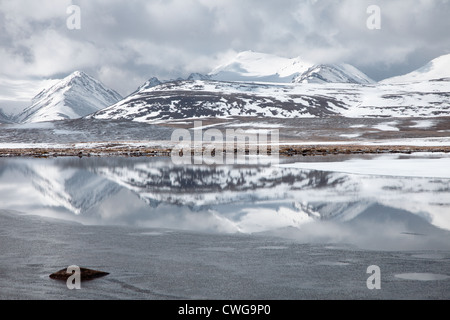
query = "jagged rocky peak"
{"x": 150, "y": 83}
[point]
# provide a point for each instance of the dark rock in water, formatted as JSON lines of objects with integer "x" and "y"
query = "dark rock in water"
{"x": 86, "y": 274}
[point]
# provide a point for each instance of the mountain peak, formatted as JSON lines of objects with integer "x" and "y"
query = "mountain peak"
{"x": 150, "y": 83}
{"x": 335, "y": 73}
{"x": 75, "y": 96}
{"x": 263, "y": 67}
{"x": 198, "y": 76}
{"x": 257, "y": 66}
{"x": 78, "y": 74}
{"x": 438, "y": 68}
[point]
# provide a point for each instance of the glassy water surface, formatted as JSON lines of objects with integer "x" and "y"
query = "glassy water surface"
{"x": 367, "y": 201}
{"x": 307, "y": 228}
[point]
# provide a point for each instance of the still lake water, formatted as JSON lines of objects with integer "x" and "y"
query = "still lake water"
{"x": 397, "y": 206}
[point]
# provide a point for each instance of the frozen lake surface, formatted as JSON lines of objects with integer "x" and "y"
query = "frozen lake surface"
{"x": 305, "y": 229}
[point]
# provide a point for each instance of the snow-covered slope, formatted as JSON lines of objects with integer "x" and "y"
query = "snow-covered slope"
{"x": 334, "y": 73}
{"x": 75, "y": 96}
{"x": 255, "y": 66}
{"x": 262, "y": 67}
{"x": 196, "y": 99}
{"x": 16, "y": 94}
{"x": 436, "y": 69}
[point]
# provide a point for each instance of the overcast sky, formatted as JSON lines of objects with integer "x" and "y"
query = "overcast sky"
{"x": 123, "y": 43}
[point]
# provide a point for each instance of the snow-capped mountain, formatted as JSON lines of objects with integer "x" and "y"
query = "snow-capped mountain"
{"x": 262, "y": 85}
{"x": 249, "y": 66}
{"x": 262, "y": 67}
{"x": 436, "y": 69}
{"x": 197, "y": 99}
{"x": 333, "y": 73}
{"x": 194, "y": 99}
{"x": 73, "y": 97}
{"x": 254, "y": 85}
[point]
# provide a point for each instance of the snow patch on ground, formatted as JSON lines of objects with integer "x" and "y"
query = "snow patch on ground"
{"x": 350, "y": 135}
{"x": 423, "y": 124}
{"x": 257, "y": 125}
{"x": 387, "y": 126}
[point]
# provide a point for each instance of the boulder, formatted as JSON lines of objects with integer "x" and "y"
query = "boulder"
{"x": 86, "y": 274}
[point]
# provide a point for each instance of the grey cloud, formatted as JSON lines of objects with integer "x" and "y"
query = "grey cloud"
{"x": 125, "y": 42}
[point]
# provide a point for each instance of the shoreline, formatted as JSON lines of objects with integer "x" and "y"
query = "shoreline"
{"x": 286, "y": 150}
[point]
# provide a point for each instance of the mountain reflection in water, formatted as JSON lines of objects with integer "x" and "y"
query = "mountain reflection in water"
{"x": 308, "y": 205}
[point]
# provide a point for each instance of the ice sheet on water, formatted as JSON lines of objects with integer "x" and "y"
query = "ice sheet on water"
{"x": 385, "y": 166}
